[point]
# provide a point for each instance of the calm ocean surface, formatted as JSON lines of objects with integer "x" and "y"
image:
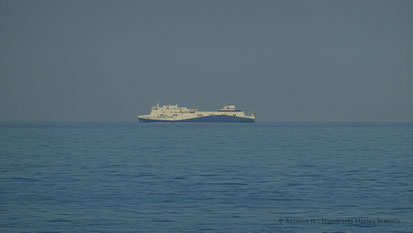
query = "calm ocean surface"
{"x": 262, "y": 177}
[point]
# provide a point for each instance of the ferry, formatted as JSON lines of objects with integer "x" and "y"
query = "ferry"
{"x": 175, "y": 113}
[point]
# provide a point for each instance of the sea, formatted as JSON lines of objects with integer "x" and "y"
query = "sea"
{"x": 206, "y": 177}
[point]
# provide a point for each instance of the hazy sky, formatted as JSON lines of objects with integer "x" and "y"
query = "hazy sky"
{"x": 286, "y": 60}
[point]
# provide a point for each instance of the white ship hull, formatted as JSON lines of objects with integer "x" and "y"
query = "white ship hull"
{"x": 221, "y": 118}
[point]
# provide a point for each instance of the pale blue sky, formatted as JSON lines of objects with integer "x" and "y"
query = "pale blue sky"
{"x": 285, "y": 60}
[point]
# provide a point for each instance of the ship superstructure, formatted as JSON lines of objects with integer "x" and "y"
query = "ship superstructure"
{"x": 175, "y": 113}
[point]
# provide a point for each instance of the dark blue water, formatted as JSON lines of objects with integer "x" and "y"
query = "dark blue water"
{"x": 130, "y": 177}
